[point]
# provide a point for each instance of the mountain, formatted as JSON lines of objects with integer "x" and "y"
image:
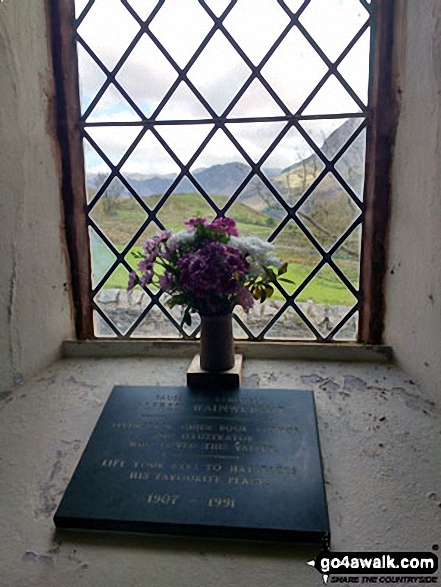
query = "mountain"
{"x": 294, "y": 180}
{"x": 291, "y": 182}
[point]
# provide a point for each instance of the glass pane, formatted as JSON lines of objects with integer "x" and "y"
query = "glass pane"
{"x": 143, "y": 7}
{"x": 256, "y": 211}
{"x": 290, "y": 325}
{"x": 256, "y": 137}
{"x": 331, "y": 135}
{"x": 184, "y": 203}
{"x": 184, "y": 140}
{"x": 347, "y": 257}
{"x": 102, "y": 257}
{"x": 328, "y": 211}
{"x": 294, "y": 70}
{"x": 113, "y": 141}
{"x": 220, "y": 168}
{"x": 295, "y": 166}
{"x": 113, "y": 107}
{"x": 108, "y": 29}
{"x": 355, "y": 66}
{"x": 91, "y": 77}
{"x": 255, "y": 25}
{"x": 332, "y": 98}
{"x": 117, "y": 213}
{"x": 327, "y": 300}
{"x": 181, "y": 27}
{"x": 219, "y": 72}
{"x": 157, "y": 325}
{"x": 183, "y": 105}
{"x": 122, "y": 307}
{"x": 293, "y": 247}
{"x": 352, "y": 163}
{"x": 256, "y": 101}
{"x": 333, "y": 23}
{"x": 146, "y": 75}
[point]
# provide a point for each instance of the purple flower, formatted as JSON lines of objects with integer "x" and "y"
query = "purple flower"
{"x": 133, "y": 280}
{"x": 194, "y": 222}
{"x": 224, "y": 224}
{"x": 245, "y": 298}
{"x": 166, "y": 281}
{"x": 212, "y": 272}
{"x": 147, "y": 277}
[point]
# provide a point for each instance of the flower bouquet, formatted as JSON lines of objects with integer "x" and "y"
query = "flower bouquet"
{"x": 208, "y": 268}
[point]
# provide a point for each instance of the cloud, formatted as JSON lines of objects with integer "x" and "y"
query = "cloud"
{"x": 218, "y": 74}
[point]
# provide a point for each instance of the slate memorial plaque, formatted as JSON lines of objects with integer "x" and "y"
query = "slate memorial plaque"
{"x": 241, "y": 463}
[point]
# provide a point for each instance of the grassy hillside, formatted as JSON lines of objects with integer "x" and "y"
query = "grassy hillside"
{"x": 121, "y": 219}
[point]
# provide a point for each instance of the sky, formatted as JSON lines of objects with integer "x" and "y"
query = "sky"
{"x": 219, "y": 72}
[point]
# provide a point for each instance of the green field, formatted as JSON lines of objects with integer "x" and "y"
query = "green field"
{"x": 291, "y": 245}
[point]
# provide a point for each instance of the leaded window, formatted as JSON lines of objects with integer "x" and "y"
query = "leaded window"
{"x": 254, "y": 109}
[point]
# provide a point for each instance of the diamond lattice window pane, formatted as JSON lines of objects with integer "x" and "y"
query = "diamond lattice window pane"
{"x": 80, "y": 5}
{"x": 183, "y": 139}
{"x": 181, "y": 27}
{"x": 293, "y": 166}
{"x": 186, "y": 202}
{"x": 102, "y": 257}
{"x": 114, "y": 142}
{"x": 294, "y": 70}
{"x": 256, "y": 137}
{"x": 218, "y": 6}
{"x": 91, "y": 77}
{"x": 150, "y": 170}
{"x": 328, "y": 211}
{"x": 219, "y": 72}
{"x": 290, "y": 325}
{"x": 113, "y": 107}
{"x": 333, "y": 23}
{"x": 265, "y": 21}
{"x": 118, "y": 214}
{"x": 351, "y": 164}
{"x": 332, "y": 98}
{"x": 224, "y": 180}
{"x": 108, "y": 29}
{"x": 349, "y": 330}
{"x": 293, "y": 247}
{"x": 183, "y": 105}
{"x": 101, "y": 328}
{"x": 347, "y": 257}
{"x": 257, "y": 211}
{"x": 355, "y": 65}
{"x": 123, "y": 308}
{"x": 294, "y": 5}
{"x": 143, "y": 7}
{"x": 331, "y": 135}
{"x": 255, "y": 102}
{"x": 157, "y": 325}
{"x": 329, "y": 300}
{"x": 146, "y": 75}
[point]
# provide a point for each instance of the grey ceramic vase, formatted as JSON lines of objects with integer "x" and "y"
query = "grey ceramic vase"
{"x": 217, "y": 343}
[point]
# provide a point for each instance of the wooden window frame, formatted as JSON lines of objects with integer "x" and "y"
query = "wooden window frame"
{"x": 380, "y": 138}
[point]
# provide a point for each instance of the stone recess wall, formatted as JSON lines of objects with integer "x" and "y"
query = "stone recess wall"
{"x": 34, "y": 301}
{"x": 413, "y": 315}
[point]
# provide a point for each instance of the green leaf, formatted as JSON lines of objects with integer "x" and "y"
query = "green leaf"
{"x": 283, "y": 269}
{"x": 269, "y": 290}
{"x": 286, "y": 280}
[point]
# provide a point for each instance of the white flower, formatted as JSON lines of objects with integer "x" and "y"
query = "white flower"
{"x": 182, "y": 237}
{"x": 259, "y": 253}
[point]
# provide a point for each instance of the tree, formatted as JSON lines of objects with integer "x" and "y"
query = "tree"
{"x": 112, "y": 193}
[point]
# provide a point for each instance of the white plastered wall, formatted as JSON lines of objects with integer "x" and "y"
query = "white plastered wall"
{"x": 413, "y": 292}
{"x": 35, "y": 313}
